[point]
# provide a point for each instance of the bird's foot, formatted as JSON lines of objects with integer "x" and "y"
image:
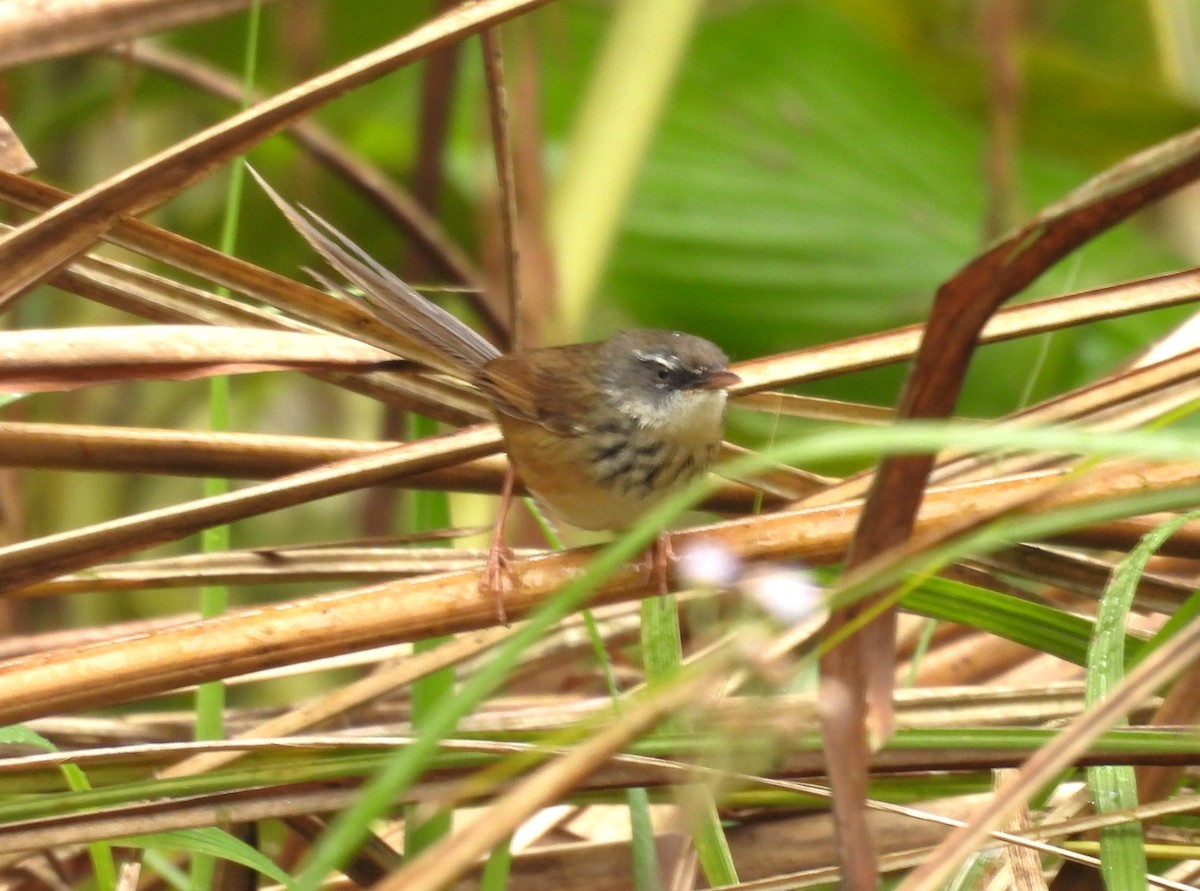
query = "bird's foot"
{"x": 498, "y": 578}
{"x": 661, "y": 556}
{"x": 498, "y": 575}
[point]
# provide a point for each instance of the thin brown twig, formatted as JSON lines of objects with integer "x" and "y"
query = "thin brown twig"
{"x": 436, "y": 245}
{"x": 493, "y": 65}
{"x": 35, "y": 250}
{"x": 284, "y": 633}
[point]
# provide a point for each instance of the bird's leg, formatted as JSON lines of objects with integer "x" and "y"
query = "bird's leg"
{"x": 497, "y": 569}
{"x": 661, "y": 555}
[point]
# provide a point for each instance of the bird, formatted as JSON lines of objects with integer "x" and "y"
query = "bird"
{"x": 598, "y": 432}
{"x": 602, "y": 431}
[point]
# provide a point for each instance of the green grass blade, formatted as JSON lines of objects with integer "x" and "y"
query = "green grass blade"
{"x": 100, "y": 853}
{"x": 662, "y": 656}
{"x": 430, "y": 510}
{"x": 212, "y": 843}
{"x": 1114, "y": 787}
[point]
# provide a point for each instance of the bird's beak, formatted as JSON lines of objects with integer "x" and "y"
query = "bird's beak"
{"x": 717, "y": 380}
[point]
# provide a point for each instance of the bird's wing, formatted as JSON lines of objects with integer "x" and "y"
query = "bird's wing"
{"x": 543, "y": 386}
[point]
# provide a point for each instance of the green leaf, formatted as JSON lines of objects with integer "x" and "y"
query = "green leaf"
{"x": 100, "y": 853}
{"x": 1035, "y": 625}
{"x": 211, "y": 842}
{"x": 1188, "y": 612}
{"x": 807, "y": 184}
{"x": 1114, "y": 787}
{"x": 662, "y": 656}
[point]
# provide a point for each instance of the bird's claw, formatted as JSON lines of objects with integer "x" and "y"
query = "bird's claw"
{"x": 498, "y": 578}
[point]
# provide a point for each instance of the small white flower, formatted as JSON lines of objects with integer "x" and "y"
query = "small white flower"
{"x": 709, "y": 565}
{"x": 788, "y": 593}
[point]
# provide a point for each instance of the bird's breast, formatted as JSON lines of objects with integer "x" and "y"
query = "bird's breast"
{"x": 606, "y": 477}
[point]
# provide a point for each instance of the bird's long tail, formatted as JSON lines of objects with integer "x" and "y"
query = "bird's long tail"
{"x": 438, "y": 338}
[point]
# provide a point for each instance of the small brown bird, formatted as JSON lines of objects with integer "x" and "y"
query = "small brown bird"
{"x": 600, "y": 431}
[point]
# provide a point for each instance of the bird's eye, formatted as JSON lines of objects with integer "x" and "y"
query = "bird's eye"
{"x": 663, "y": 374}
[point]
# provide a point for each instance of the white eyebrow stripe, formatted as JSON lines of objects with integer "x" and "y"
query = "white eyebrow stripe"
{"x": 664, "y": 361}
